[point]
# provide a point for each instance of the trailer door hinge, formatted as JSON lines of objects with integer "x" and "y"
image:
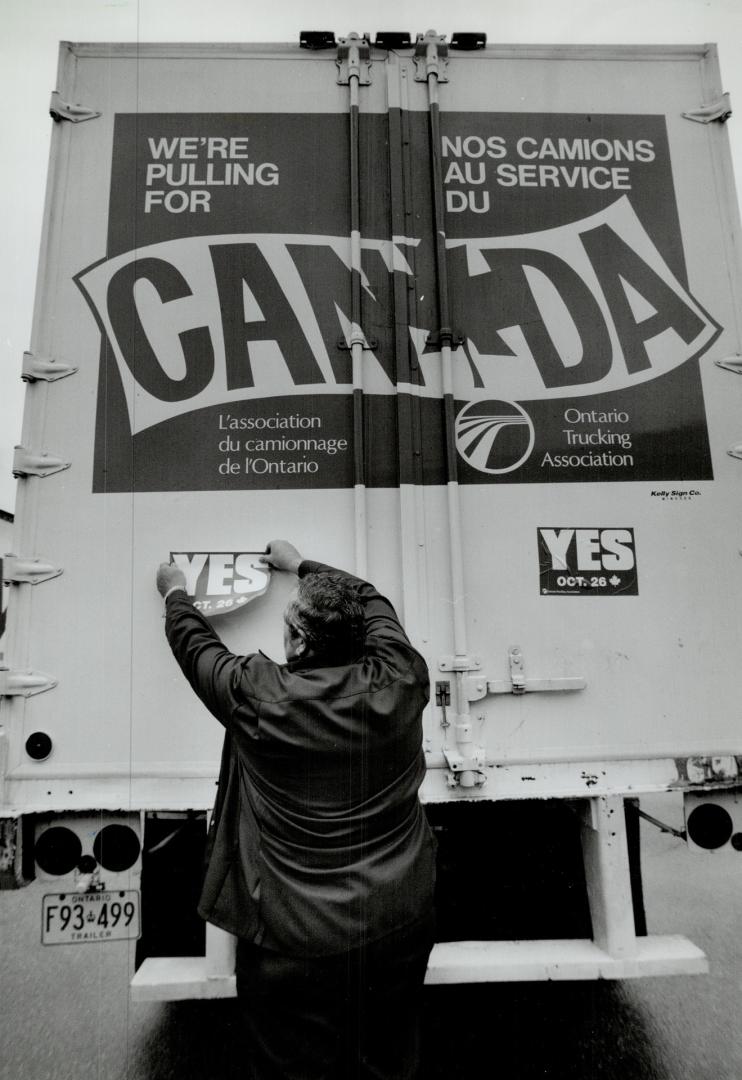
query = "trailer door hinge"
{"x": 431, "y": 57}
{"x": 44, "y": 368}
{"x": 731, "y": 363}
{"x": 354, "y": 60}
{"x": 720, "y": 110}
{"x": 18, "y": 570}
{"x": 477, "y": 688}
{"x": 66, "y": 110}
{"x": 24, "y": 683}
{"x": 28, "y": 463}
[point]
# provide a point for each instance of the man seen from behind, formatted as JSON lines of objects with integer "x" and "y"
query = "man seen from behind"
{"x": 320, "y": 859}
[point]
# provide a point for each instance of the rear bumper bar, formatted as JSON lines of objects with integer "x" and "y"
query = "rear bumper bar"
{"x": 181, "y": 978}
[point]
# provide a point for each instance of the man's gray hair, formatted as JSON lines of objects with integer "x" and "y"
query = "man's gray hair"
{"x": 328, "y": 614}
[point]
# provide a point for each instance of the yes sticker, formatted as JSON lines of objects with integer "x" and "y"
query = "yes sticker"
{"x": 222, "y": 581}
{"x": 587, "y": 562}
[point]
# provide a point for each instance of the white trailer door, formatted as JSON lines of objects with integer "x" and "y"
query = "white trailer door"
{"x": 589, "y": 284}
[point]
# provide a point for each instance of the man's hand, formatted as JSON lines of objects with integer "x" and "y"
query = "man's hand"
{"x": 282, "y": 555}
{"x": 169, "y": 577}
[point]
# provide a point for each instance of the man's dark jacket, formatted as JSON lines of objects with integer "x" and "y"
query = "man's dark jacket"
{"x": 318, "y": 842}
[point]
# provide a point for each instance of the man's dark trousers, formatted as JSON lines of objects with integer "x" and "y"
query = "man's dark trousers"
{"x": 350, "y": 1016}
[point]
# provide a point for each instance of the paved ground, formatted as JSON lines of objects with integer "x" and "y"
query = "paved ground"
{"x": 66, "y": 1013}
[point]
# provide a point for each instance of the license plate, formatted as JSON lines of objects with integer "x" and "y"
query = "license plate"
{"x": 77, "y": 918}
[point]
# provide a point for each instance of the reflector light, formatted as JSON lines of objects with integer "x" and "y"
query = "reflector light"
{"x": 38, "y": 746}
{"x": 317, "y": 39}
{"x": 710, "y": 826}
{"x": 390, "y": 40}
{"x": 703, "y": 769}
{"x": 468, "y": 41}
{"x": 58, "y": 850}
{"x": 116, "y": 847}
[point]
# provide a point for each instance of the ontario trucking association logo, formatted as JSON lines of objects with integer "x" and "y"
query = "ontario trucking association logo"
{"x": 494, "y": 436}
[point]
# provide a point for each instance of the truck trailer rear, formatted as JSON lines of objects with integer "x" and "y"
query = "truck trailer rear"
{"x": 462, "y": 319}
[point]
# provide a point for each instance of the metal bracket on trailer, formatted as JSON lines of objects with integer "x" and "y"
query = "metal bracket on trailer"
{"x": 66, "y": 110}
{"x": 29, "y": 463}
{"x": 369, "y": 344}
{"x": 734, "y": 364}
{"x": 44, "y": 368}
{"x": 731, "y": 363}
{"x": 720, "y": 110}
{"x": 24, "y": 683}
{"x": 461, "y": 764}
{"x": 17, "y": 570}
{"x": 466, "y": 761}
{"x": 477, "y": 688}
{"x": 459, "y": 663}
{"x": 354, "y": 60}
{"x": 431, "y": 57}
{"x": 444, "y": 336}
